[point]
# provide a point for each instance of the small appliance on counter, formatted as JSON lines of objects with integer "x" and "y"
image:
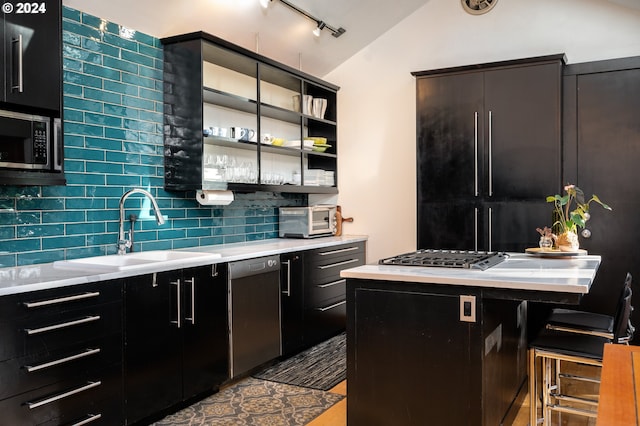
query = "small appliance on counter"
{"x": 307, "y": 222}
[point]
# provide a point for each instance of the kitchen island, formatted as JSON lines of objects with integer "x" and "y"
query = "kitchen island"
{"x": 440, "y": 346}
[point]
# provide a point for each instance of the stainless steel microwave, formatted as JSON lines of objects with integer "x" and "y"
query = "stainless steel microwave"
{"x": 30, "y": 142}
{"x": 307, "y": 222}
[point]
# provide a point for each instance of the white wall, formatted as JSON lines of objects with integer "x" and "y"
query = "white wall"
{"x": 376, "y": 113}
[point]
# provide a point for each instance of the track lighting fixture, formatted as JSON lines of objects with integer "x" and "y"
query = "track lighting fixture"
{"x": 336, "y": 32}
{"x": 318, "y": 29}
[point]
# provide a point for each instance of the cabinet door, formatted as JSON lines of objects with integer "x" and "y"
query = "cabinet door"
{"x": 522, "y": 113}
{"x": 407, "y": 354}
{"x": 153, "y": 369}
{"x": 608, "y": 155}
{"x": 453, "y": 226}
{"x": 513, "y": 224}
{"x": 205, "y": 354}
{"x": 449, "y": 136}
{"x": 292, "y": 302}
{"x": 33, "y": 54}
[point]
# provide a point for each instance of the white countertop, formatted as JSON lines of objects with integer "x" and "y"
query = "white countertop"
{"x": 519, "y": 272}
{"x": 22, "y": 279}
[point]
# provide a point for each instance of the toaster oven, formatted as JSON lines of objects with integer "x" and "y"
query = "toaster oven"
{"x": 307, "y": 222}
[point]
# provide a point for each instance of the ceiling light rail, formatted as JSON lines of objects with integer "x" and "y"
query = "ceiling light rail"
{"x": 320, "y": 24}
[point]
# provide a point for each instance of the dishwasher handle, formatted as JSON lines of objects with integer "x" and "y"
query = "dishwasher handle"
{"x": 251, "y": 267}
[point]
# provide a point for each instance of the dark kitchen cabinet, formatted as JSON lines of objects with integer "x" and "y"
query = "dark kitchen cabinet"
{"x": 225, "y": 104}
{"x": 32, "y": 53}
{"x": 61, "y": 356}
{"x": 31, "y": 60}
{"x": 325, "y": 307}
{"x": 175, "y": 338}
{"x": 602, "y": 137}
{"x": 408, "y": 351}
{"x": 313, "y": 294}
{"x": 292, "y": 302}
{"x": 486, "y": 136}
{"x": 205, "y": 354}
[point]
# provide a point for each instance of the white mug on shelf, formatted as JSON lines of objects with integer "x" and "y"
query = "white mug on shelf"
{"x": 319, "y": 107}
{"x": 266, "y": 139}
{"x": 242, "y": 133}
{"x": 307, "y": 104}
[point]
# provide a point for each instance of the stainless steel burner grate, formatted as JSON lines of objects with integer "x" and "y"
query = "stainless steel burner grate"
{"x": 448, "y": 259}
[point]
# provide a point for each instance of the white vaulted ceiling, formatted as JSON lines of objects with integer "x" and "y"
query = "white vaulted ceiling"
{"x": 277, "y": 32}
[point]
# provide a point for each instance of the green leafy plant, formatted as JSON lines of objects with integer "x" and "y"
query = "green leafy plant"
{"x": 569, "y": 220}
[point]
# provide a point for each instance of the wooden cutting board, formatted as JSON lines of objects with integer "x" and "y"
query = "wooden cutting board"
{"x": 340, "y": 219}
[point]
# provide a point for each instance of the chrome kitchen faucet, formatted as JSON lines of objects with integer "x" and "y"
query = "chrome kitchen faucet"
{"x": 124, "y": 244}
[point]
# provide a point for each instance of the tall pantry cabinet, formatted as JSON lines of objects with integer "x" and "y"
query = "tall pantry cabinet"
{"x": 601, "y": 135}
{"x": 488, "y": 152}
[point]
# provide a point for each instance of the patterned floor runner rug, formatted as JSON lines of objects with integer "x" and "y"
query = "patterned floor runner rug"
{"x": 257, "y": 403}
{"x": 320, "y": 367}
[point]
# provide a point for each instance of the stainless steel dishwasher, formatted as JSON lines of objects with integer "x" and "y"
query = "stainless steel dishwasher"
{"x": 254, "y": 313}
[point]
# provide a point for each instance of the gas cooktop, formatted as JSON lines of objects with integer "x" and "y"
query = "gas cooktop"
{"x": 448, "y": 259}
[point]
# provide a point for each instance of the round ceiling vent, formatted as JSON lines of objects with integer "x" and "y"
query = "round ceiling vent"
{"x": 478, "y": 7}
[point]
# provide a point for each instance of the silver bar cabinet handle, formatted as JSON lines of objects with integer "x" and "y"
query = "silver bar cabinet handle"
{"x": 89, "y": 385}
{"x": 192, "y": 281}
{"x": 61, "y": 300}
{"x": 490, "y": 153}
{"x": 31, "y": 331}
{"x": 87, "y": 352}
{"x": 178, "y": 285}
{"x": 333, "y": 265}
{"x": 20, "y": 85}
{"x": 475, "y": 151}
{"x": 90, "y": 419}
{"x": 331, "y": 284}
{"x": 287, "y": 292}
{"x": 344, "y": 250}
{"x": 335, "y": 305}
{"x": 490, "y": 230}
{"x": 475, "y": 228}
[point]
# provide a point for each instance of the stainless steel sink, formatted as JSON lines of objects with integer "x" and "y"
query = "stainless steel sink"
{"x": 132, "y": 261}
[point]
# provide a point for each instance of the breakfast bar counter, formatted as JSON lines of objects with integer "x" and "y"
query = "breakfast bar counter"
{"x": 430, "y": 345}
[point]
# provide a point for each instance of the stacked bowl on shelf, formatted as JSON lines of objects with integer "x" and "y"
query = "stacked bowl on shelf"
{"x": 319, "y": 177}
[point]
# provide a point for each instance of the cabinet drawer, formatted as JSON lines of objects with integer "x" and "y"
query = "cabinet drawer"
{"x": 325, "y": 266}
{"x": 334, "y": 254}
{"x": 58, "y": 301}
{"x": 48, "y": 333}
{"x": 78, "y": 360}
{"x": 325, "y": 320}
{"x": 96, "y": 398}
{"x": 318, "y": 293}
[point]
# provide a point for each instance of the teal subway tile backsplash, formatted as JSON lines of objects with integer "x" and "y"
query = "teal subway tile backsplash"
{"x": 97, "y": 46}
{"x": 113, "y": 138}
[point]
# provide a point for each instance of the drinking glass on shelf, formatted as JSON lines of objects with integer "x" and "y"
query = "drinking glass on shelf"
{"x": 250, "y": 173}
{"x": 229, "y": 167}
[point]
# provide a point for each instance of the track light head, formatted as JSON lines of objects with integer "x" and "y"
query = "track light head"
{"x": 316, "y": 32}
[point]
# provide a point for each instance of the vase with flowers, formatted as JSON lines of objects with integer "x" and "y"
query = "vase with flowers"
{"x": 547, "y": 238}
{"x": 567, "y": 220}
